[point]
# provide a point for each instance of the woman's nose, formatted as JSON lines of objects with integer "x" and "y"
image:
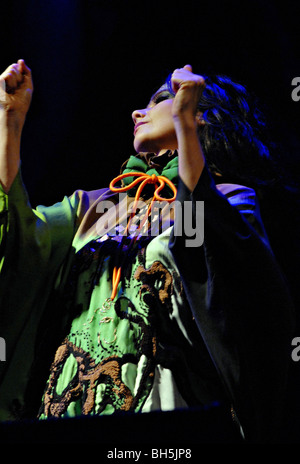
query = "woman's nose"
{"x": 138, "y": 114}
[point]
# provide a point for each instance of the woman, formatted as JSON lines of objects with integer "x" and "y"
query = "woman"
{"x": 134, "y": 321}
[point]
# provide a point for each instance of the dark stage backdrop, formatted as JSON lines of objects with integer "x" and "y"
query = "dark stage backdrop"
{"x": 95, "y": 61}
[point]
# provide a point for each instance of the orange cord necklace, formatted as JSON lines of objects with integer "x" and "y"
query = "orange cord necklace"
{"x": 144, "y": 179}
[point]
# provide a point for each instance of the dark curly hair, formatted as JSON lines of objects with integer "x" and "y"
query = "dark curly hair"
{"x": 234, "y": 137}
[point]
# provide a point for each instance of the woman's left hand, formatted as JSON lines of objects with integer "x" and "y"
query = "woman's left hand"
{"x": 188, "y": 88}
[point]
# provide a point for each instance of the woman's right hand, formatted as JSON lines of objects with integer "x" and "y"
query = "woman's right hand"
{"x": 16, "y": 89}
{"x": 15, "y": 97}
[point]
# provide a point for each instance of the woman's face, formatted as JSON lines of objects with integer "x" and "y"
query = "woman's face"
{"x": 154, "y": 130}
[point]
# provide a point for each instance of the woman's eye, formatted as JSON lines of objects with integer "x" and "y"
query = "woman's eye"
{"x": 162, "y": 97}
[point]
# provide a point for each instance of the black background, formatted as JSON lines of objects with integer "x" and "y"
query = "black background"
{"x": 94, "y": 62}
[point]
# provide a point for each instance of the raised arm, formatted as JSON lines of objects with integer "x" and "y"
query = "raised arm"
{"x": 188, "y": 88}
{"x": 15, "y": 96}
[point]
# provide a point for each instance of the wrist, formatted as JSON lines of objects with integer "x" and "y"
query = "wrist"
{"x": 182, "y": 120}
{"x": 11, "y": 123}
{"x": 185, "y": 127}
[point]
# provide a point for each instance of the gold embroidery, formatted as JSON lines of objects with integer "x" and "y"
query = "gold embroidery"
{"x": 86, "y": 380}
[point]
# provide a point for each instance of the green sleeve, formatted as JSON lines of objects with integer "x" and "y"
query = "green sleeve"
{"x": 33, "y": 245}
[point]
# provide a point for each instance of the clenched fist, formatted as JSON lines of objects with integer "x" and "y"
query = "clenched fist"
{"x": 16, "y": 89}
{"x": 188, "y": 88}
